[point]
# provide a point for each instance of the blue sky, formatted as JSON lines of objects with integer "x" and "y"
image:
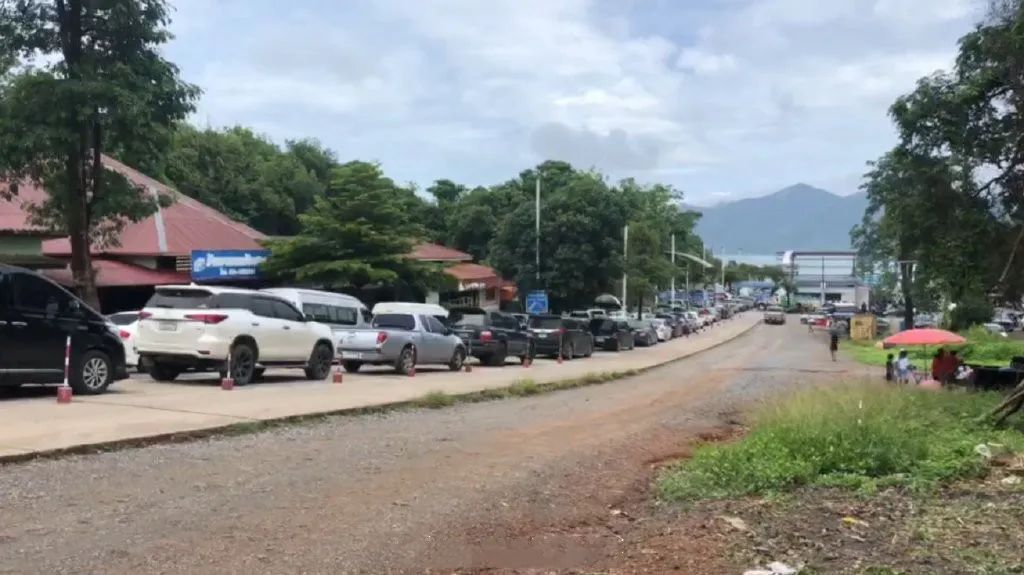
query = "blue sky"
{"x": 720, "y": 98}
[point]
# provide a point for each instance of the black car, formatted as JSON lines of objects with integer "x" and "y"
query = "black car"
{"x": 551, "y": 333}
{"x": 644, "y": 334}
{"x": 491, "y": 336}
{"x": 36, "y": 318}
{"x": 611, "y": 334}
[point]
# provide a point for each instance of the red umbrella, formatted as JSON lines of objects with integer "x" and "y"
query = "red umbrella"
{"x": 925, "y": 336}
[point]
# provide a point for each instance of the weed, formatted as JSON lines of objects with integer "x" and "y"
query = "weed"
{"x": 861, "y": 436}
{"x": 435, "y": 400}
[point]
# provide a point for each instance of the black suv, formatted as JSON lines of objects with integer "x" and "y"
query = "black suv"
{"x": 551, "y": 332}
{"x": 36, "y": 318}
{"x": 491, "y": 336}
{"x": 612, "y": 334}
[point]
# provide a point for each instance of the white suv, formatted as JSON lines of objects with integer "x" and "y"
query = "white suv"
{"x": 199, "y": 327}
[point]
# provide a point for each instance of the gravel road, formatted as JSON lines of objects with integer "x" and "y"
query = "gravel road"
{"x": 506, "y": 485}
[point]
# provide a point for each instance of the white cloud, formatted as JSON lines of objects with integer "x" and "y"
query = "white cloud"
{"x": 720, "y": 98}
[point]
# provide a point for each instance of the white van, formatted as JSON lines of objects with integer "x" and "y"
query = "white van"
{"x": 337, "y": 310}
{"x": 412, "y": 308}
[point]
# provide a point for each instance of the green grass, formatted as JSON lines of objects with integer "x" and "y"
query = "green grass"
{"x": 436, "y": 400}
{"x": 862, "y": 436}
{"x": 981, "y": 348}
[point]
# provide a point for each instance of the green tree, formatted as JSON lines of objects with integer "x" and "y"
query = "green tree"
{"x": 95, "y": 83}
{"x": 358, "y": 234}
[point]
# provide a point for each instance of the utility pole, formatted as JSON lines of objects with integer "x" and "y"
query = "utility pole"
{"x": 537, "y": 232}
{"x": 625, "y": 250}
{"x": 673, "y": 302}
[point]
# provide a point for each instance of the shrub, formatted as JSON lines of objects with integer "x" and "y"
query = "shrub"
{"x": 436, "y": 400}
{"x": 857, "y": 436}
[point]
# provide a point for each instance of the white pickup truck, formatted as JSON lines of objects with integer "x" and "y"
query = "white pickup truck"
{"x": 401, "y": 340}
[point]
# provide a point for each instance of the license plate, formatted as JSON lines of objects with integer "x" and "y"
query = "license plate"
{"x": 353, "y": 355}
{"x": 167, "y": 326}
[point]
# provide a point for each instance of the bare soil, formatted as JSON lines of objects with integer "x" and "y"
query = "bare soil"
{"x": 553, "y": 483}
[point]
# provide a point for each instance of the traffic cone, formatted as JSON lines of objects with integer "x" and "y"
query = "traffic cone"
{"x": 64, "y": 391}
{"x": 227, "y": 383}
{"x": 469, "y": 368}
{"x": 337, "y": 377}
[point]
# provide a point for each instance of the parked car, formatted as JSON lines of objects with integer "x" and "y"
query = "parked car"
{"x": 198, "y": 328}
{"x": 662, "y": 329}
{"x": 491, "y": 336}
{"x": 643, "y": 332}
{"x": 523, "y": 319}
{"x": 696, "y": 321}
{"x": 412, "y": 308}
{"x": 403, "y": 341}
{"x": 674, "y": 324}
{"x": 588, "y": 313}
{"x": 552, "y": 332}
{"x": 775, "y": 315}
{"x": 37, "y": 317}
{"x": 611, "y": 335}
{"x": 127, "y": 323}
{"x": 339, "y": 311}
{"x": 995, "y": 329}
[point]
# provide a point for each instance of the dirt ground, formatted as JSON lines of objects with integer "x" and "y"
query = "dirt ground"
{"x": 553, "y": 483}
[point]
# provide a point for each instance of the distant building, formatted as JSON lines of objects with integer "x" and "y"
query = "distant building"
{"x": 822, "y": 277}
{"x": 475, "y": 285}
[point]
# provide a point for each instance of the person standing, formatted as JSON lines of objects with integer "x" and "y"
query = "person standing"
{"x": 939, "y": 363}
{"x": 903, "y": 367}
{"x": 890, "y": 368}
{"x": 833, "y": 342}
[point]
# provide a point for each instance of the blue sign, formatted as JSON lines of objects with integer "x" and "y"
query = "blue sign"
{"x": 227, "y": 265}
{"x": 537, "y": 302}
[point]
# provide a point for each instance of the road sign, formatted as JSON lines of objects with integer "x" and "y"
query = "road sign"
{"x": 537, "y": 302}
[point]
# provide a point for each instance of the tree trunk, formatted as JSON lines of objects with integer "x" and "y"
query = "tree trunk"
{"x": 1009, "y": 262}
{"x": 907, "y": 286}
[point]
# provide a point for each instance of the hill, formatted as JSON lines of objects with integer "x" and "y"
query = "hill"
{"x": 798, "y": 217}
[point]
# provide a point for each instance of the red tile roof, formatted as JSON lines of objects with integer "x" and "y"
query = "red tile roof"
{"x": 439, "y": 253}
{"x": 14, "y": 216}
{"x": 472, "y": 273}
{"x": 176, "y": 230}
{"x": 112, "y": 273}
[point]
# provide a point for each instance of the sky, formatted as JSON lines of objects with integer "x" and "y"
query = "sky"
{"x": 721, "y": 99}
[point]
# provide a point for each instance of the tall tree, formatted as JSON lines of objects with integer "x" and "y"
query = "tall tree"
{"x": 359, "y": 233}
{"x": 94, "y": 82}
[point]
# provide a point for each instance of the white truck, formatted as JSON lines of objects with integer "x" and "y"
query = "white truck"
{"x": 402, "y": 341}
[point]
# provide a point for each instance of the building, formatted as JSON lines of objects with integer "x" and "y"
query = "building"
{"x": 822, "y": 277}
{"x": 475, "y": 285}
{"x": 21, "y": 243}
{"x": 153, "y": 251}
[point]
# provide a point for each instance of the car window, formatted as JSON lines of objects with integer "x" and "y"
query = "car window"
{"x": 35, "y": 294}
{"x": 394, "y": 321}
{"x": 546, "y": 322}
{"x": 125, "y": 318}
{"x": 434, "y": 325}
{"x": 284, "y": 310}
{"x": 233, "y": 301}
{"x": 367, "y": 315}
{"x": 459, "y": 318}
{"x": 505, "y": 321}
{"x": 181, "y": 298}
{"x": 263, "y": 307}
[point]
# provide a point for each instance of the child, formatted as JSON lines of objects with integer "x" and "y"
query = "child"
{"x": 890, "y": 368}
{"x": 903, "y": 367}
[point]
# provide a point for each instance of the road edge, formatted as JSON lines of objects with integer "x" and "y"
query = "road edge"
{"x": 257, "y": 426}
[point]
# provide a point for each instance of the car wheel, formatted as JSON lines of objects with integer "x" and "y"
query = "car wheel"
{"x": 458, "y": 358}
{"x": 94, "y": 373}
{"x": 590, "y": 350}
{"x": 498, "y": 358}
{"x": 320, "y": 361}
{"x": 161, "y": 372}
{"x": 406, "y": 361}
{"x": 352, "y": 366}
{"x": 617, "y": 346}
{"x": 243, "y": 363}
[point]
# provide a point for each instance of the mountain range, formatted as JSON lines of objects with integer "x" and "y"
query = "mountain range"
{"x": 800, "y": 217}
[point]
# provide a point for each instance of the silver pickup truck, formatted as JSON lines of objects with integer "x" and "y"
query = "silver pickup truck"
{"x": 401, "y": 340}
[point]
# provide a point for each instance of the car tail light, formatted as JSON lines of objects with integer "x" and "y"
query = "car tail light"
{"x": 124, "y": 334}
{"x": 382, "y": 336}
{"x": 561, "y": 330}
{"x": 207, "y": 318}
{"x": 486, "y": 336}
{"x": 145, "y": 314}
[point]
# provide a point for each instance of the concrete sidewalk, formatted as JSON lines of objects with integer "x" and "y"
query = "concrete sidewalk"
{"x": 139, "y": 408}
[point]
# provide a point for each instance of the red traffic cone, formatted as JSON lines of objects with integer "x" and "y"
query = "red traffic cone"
{"x": 526, "y": 362}
{"x": 337, "y": 375}
{"x": 227, "y": 383}
{"x": 64, "y": 391}
{"x": 469, "y": 368}
{"x": 412, "y": 371}
{"x": 559, "y": 357}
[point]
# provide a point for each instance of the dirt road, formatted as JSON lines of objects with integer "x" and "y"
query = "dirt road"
{"x": 544, "y": 482}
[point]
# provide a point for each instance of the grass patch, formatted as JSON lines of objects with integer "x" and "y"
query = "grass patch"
{"x": 981, "y": 348}
{"x": 862, "y": 436}
{"x": 435, "y": 400}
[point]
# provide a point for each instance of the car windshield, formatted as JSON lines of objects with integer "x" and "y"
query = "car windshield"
{"x": 457, "y": 317}
{"x": 601, "y": 326}
{"x": 123, "y": 318}
{"x": 545, "y": 322}
{"x": 639, "y": 324}
{"x": 180, "y": 298}
{"x": 394, "y": 321}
